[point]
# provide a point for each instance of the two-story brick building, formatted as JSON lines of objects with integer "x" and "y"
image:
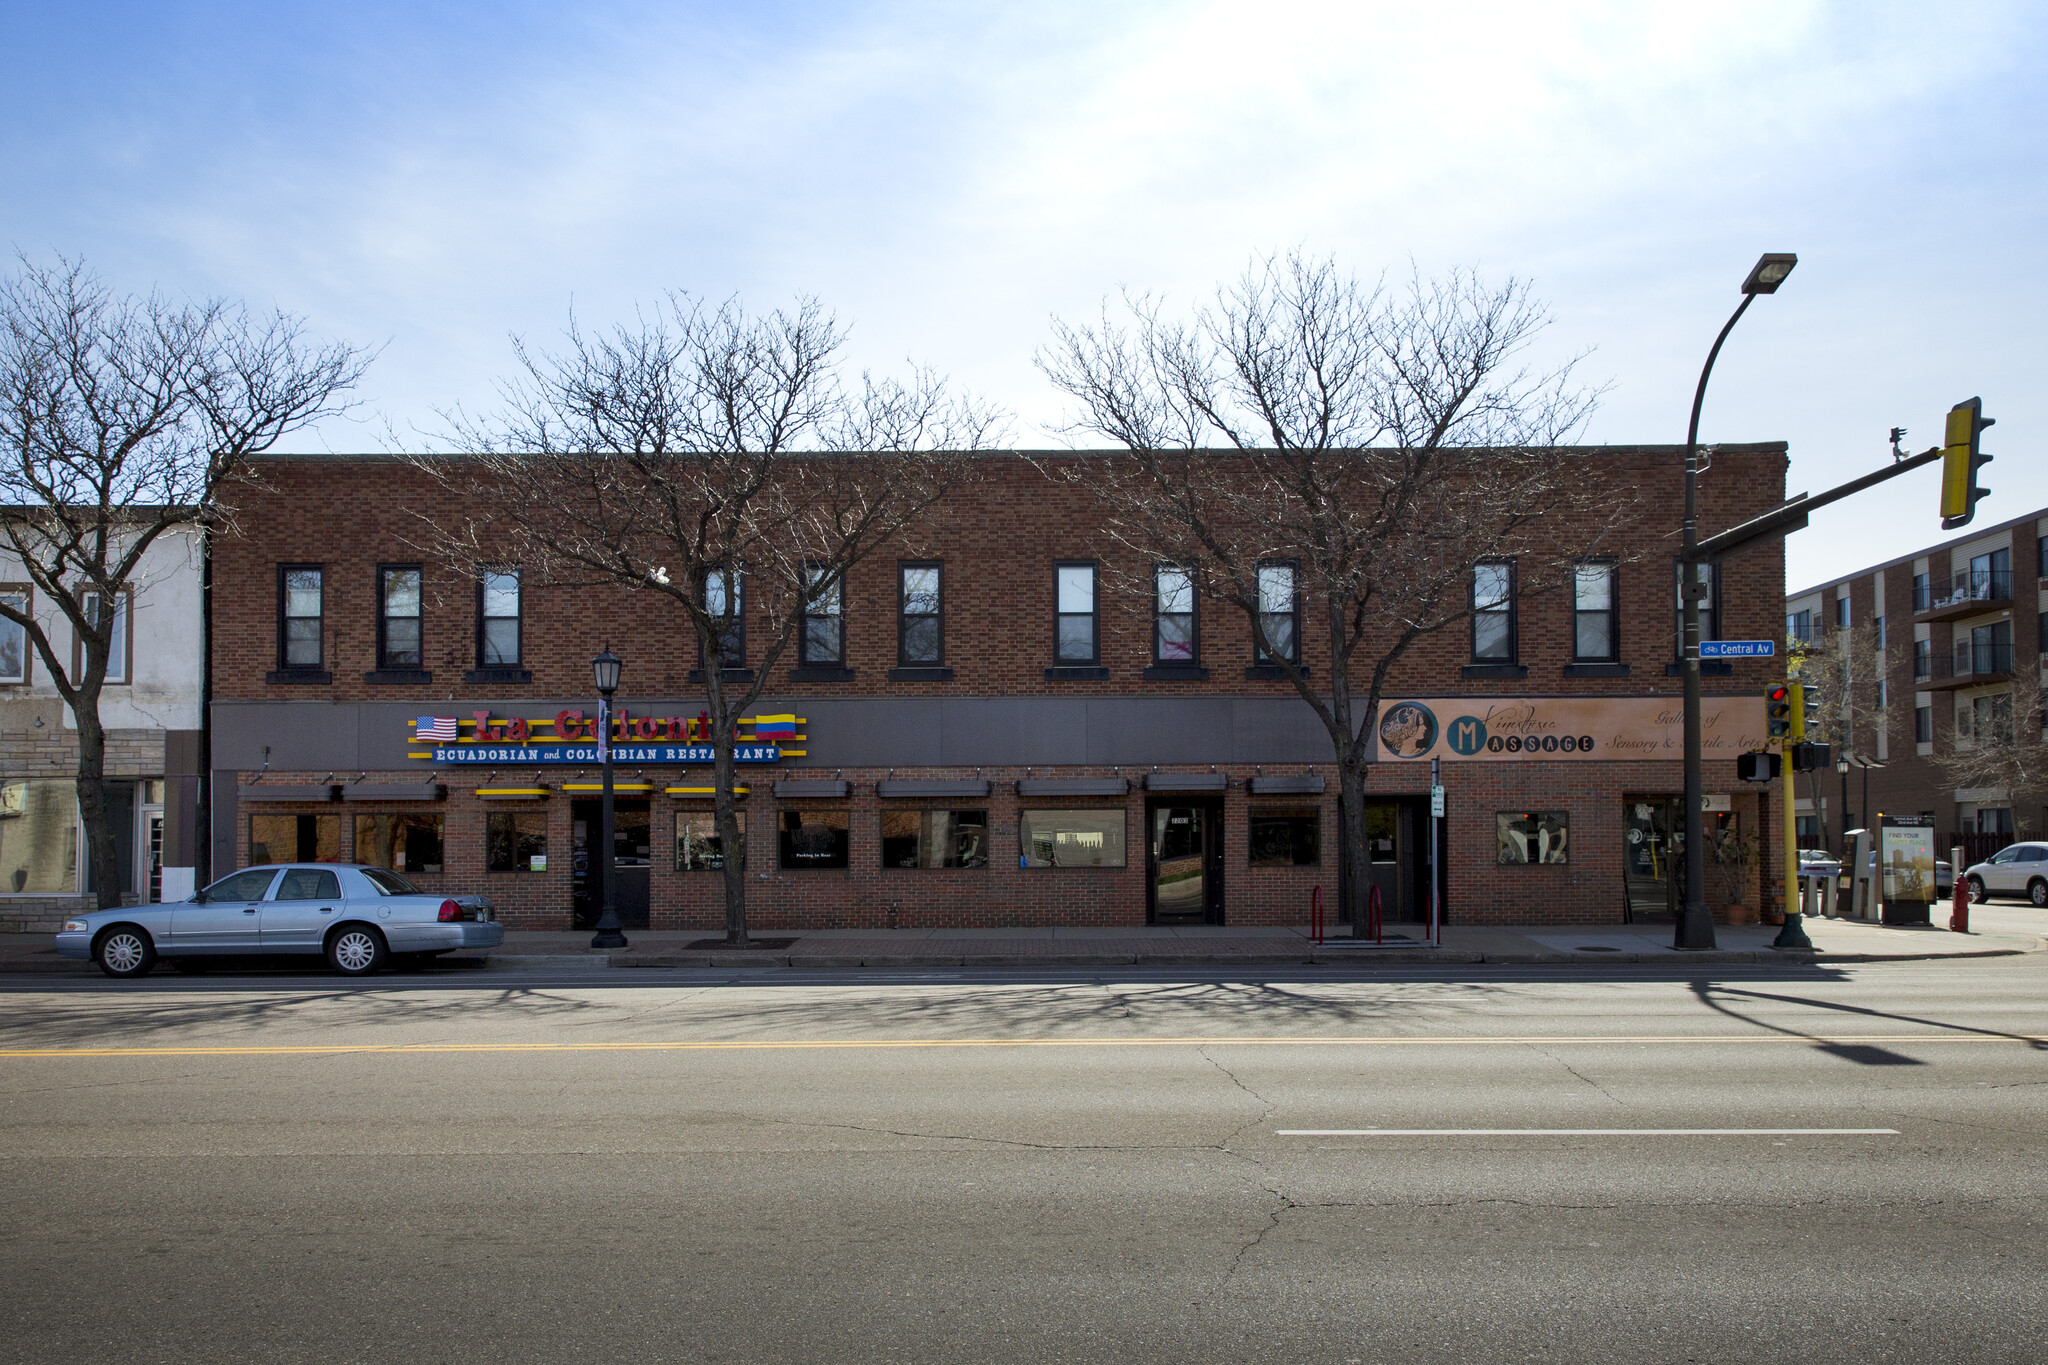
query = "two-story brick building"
{"x": 987, "y": 731}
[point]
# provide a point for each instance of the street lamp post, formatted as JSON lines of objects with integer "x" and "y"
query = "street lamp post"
{"x": 1695, "y": 927}
{"x": 606, "y": 667}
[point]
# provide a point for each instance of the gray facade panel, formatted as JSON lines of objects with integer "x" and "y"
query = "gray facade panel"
{"x": 841, "y": 732}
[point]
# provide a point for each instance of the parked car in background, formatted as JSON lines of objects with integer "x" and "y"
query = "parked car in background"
{"x": 1819, "y": 862}
{"x": 2015, "y": 870}
{"x": 357, "y": 917}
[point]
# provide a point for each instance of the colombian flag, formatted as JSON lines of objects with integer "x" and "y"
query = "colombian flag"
{"x": 771, "y": 729}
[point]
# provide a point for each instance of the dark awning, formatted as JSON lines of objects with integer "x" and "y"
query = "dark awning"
{"x": 899, "y": 787}
{"x": 1073, "y": 786}
{"x": 1186, "y": 782}
{"x": 264, "y": 791}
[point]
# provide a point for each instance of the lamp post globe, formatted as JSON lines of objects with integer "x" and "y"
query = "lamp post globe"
{"x": 1695, "y": 927}
{"x": 605, "y": 669}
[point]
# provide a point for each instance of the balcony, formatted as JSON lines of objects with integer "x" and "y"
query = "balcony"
{"x": 1964, "y": 594}
{"x": 1970, "y": 665}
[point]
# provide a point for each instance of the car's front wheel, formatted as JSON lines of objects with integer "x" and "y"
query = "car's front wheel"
{"x": 1977, "y": 896}
{"x": 124, "y": 951}
{"x": 357, "y": 950}
{"x": 2038, "y": 894}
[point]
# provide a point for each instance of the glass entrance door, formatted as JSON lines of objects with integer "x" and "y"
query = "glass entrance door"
{"x": 1186, "y": 864}
{"x": 1653, "y": 859}
{"x": 632, "y": 860}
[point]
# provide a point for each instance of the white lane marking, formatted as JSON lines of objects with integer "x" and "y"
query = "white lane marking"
{"x": 1585, "y": 1132}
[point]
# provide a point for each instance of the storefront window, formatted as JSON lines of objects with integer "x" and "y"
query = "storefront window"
{"x": 39, "y": 838}
{"x": 1533, "y": 836}
{"x": 1071, "y": 838}
{"x": 812, "y": 839}
{"x": 1285, "y": 836}
{"x": 408, "y": 842}
{"x": 294, "y": 838}
{"x": 935, "y": 838}
{"x": 698, "y": 847}
{"x": 516, "y": 841}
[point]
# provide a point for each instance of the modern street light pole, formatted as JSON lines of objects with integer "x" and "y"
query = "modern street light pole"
{"x": 1695, "y": 927}
{"x": 606, "y": 667}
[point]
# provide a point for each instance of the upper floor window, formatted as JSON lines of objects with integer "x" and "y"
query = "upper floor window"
{"x": 1842, "y": 612}
{"x": 1595, "y": 627}
{"x": 1493, "y": 612}
{"x": 1923, "y": 725}
{"x": 398, "y": 616}
{"x": 1799, "y": 627}
{"x": 119, "y": 638}
{"x": 1174, "y": 638}
{"x": 498, "y": 619}
{"x": 1074, "y": 590}
{"x": 724, "y": 602}
{"x": 14, "y": 636}
{"x": 1923, "y": 658}
{"x": 1991, "y": 575}
{"x": 2041, "y": 557}
{"x": 824, "y": 639}
{"x": 920, "y": 617}
{"x": 300, "y": 602}
{"x": 1279, "y": 615}
{"x": 1710, "y": 603}
{"x": 1879, "y": 623}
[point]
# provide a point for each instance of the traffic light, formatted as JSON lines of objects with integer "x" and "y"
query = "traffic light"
{"x": 1960, "y": 461}
{"x": 1797, "y": 701}
{"x": 1778, "y": 710}
{"x": 1811, "y": 758}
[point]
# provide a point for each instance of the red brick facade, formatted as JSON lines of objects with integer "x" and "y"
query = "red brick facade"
{"x": 999, "y": 541}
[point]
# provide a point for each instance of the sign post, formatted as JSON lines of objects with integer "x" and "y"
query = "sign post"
{"x": 1436, "y": 811}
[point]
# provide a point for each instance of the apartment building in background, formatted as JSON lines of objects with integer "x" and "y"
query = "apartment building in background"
{"x": 1949, "y": 637}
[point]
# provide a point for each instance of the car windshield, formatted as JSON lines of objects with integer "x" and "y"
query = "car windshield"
{"x": 390, "y": 883}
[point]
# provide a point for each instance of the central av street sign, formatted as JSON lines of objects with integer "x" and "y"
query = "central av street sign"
{"x": 1737, "y": 649}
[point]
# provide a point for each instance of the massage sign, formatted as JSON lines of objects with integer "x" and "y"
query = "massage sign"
{"x": 571, "y": 737}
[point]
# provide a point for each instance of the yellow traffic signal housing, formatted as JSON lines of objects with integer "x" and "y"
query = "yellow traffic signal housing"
{"x": 1778, "y": 710}
{"x": 1795, "y": 730}
{"x": 1960, "y": 461}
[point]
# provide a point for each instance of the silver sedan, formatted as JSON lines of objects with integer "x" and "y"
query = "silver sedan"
{"x": 358, "y": 917}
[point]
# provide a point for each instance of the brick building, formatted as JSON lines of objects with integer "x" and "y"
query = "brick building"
{"x": 1953, "y": 628}
{"x": 152, "y": 709}
{"x": 950, "y": 764}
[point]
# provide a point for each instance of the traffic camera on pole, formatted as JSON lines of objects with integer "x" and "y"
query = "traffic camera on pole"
{"x": 1960, "y": 461}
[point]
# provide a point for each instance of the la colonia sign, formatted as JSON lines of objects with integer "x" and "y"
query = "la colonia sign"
{"x": 1508, "y": 729}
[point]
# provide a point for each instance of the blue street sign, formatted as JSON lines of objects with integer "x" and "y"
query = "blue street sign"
{"x": 1737, "y": 649}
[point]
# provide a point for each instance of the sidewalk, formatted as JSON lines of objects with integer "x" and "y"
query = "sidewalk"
{"x": 1998, "y": 931}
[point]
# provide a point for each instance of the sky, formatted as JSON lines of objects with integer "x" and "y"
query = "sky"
{"x": 431, "y": 179}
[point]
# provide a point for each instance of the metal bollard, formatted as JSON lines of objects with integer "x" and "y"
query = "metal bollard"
{"x": 1959, "y": 909}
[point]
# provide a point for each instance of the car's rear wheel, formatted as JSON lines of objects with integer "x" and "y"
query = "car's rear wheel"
{"x": 1977, "y": 896}
{"x": 357, "y": 950}
{"x": 124, "y": 951}
{"x": 2038, "y": 894}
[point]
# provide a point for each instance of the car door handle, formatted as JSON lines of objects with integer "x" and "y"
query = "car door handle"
{"x": 250, "y": 911}
{"x": 326, "y": 909}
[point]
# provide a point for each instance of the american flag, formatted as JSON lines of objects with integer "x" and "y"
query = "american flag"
{"x": 438, "y": 729}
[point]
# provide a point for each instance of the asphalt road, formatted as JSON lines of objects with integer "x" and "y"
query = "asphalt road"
{"x": 783, "y": 1167}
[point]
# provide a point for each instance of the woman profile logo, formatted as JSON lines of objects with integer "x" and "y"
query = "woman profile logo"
{"x": 1408, "y": 730}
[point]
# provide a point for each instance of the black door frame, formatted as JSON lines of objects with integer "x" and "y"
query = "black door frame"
{"x": 1211, "y": 806}
{"x": 630, "y": 916}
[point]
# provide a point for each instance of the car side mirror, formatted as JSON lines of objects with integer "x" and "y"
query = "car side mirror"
{"x": 198, "y": 898}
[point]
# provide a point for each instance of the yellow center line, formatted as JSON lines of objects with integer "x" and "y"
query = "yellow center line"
{"x": 763, "y": 1045}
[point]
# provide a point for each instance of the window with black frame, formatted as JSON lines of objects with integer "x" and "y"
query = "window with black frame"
{"x": 1174, "y": 637}
{"x": 725, "y": 603}
{"x": 1279, "y": 615}
{"x": 934, "y": 838}
{"x": 1596, "y": 617}
{"x": 516, "y": 841}
{"x": 398, "y": 617}
{"x": 812, "y": 840}
{"x": 1074, "y": 589}
{"x": 698, "y": 847}
{"x": 920, "y": 634}
{"x": 1533, "y": 837}
{"x": 498, "y": 615}
{"x": 1493, "y": 612}
{"x": 404, "y": 842}
{"x": 300, "y": 606}
{"x": 1284, "y": 836}
{"x": 824, "y": 640}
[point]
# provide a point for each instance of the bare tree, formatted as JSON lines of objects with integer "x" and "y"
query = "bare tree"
{"x": 714, "y": 458}
{"x": 1378, "y": 444}
{"x": 2008, "y": 749}
{"x": 122, "y": 419}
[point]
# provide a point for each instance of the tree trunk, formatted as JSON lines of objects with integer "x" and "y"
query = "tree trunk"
{"x": 92, "y": 801}
{"x": 1357, "y": 855}
{"x": 730, "y": 843}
